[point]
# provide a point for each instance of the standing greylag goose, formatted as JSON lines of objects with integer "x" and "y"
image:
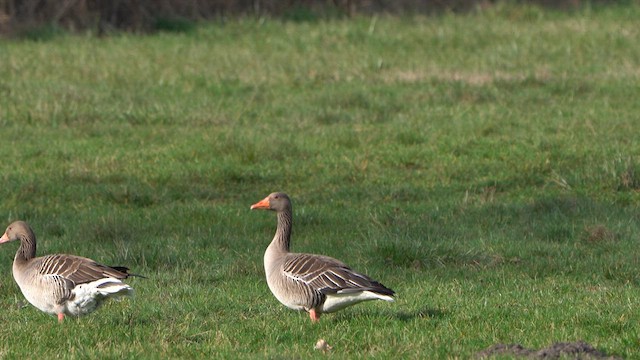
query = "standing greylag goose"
{"x": 314, "y": 283}
{"x": 62, "y": 284}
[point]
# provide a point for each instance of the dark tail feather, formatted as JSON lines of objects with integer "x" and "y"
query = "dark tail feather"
{"x": 125, "y": 270}
{"x": 381, "y": 289}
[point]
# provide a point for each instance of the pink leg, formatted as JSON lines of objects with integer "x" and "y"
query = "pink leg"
{"x": 315, "y": 316}
{"x": 60, "y": 317}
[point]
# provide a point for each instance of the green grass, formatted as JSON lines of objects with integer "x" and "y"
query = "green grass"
{"x": 485, "y": 166}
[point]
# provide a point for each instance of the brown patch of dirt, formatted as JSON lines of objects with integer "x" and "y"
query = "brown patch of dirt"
{"x": 561, "y": 350}
{"x": 598, "y": 234}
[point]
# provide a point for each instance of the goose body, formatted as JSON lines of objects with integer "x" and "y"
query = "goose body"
{"x": 62, "y": 284}
{"x": 313, "y": 283}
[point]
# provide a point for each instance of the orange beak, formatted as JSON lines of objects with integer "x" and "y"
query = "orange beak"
{"x": 262, "y": 204}
{"x": 4, "y": 238}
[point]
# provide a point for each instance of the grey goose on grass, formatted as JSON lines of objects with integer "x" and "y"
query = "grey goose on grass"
{"x": 62, "y": 284}
{"x": 313, "y": 283}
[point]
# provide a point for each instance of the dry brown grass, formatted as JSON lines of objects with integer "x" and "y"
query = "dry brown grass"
{"x": 467, "y": 77}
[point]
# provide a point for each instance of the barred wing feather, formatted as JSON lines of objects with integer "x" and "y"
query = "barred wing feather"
{"x": 329, "y": 276}
{"x": 77, "y": 269}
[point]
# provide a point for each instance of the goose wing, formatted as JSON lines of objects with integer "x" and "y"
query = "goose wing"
{"x": 328, "y": 275}
{"x": 77, "y": 269}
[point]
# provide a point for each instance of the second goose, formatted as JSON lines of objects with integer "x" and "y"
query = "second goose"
{"x": 313, "y": 283}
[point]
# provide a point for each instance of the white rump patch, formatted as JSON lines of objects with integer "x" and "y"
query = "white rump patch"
{"x": 89, "y": 296}
{"x": 341, "y": 300}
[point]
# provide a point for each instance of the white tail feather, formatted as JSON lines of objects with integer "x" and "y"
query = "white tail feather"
{"x": 89, "y": 296}
{"x": 338, "y": 301}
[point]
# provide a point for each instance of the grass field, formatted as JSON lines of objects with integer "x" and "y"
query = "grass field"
{"x": 485, "y": 166}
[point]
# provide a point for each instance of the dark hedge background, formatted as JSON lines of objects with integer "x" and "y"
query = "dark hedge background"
{"x": 103, "y": 16}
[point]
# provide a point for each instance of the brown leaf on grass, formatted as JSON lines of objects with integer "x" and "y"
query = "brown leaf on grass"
{"x": 322, "y": 345}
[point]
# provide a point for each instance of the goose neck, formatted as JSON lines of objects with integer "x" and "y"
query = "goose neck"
{"x": 27, "y": 249}
{"x": 283, "y": 232}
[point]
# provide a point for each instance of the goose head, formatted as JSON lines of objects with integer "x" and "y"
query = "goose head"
{"x": 276, "y": 201}
{"x": 17, "y": 230}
